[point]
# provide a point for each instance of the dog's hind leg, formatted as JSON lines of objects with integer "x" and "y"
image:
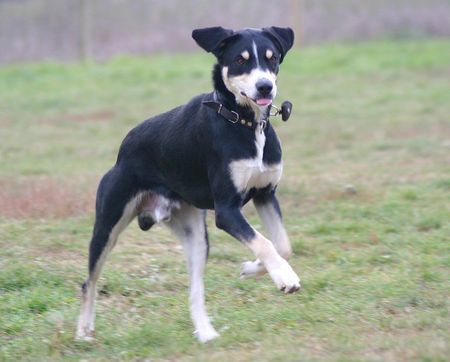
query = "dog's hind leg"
{"x": 188, "y": 223}
{"x": 269, "y": 211}
{"x": 115, "y": 208}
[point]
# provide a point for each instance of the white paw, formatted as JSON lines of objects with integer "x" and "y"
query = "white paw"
{"x": 285, "y": 278}
{"x": 206, "y": 334}
{"x": 251, "y": 269}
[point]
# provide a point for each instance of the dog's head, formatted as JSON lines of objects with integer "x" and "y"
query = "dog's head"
{"x": 249, "y": 60}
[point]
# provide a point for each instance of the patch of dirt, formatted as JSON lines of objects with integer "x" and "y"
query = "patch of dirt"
{"x": 98, "y": 116}
{"x": 102, "y": 115}
{"x": 46, "y": 197}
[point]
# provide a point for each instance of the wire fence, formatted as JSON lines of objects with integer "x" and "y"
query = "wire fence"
{"x": 99, "y": 29}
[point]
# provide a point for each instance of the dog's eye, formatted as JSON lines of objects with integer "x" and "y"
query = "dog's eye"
{"x": 273, "y": 58}
{"x": 240, "y": 60}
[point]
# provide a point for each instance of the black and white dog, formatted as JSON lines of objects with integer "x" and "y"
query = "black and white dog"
{"x": 216, "y": 152}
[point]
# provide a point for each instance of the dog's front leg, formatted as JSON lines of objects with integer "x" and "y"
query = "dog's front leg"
{"x": 231, "y": 220}
{"x": 269, "y": 211}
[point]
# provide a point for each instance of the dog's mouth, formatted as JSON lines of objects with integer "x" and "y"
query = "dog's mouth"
{"x": 260, "y": 101}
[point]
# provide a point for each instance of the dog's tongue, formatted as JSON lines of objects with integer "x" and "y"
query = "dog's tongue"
{"x": 263, "y": 101}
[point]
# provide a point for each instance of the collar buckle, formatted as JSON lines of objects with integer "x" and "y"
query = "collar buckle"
{"x": 236, "y": 114}
{"x": 226, "y": 113}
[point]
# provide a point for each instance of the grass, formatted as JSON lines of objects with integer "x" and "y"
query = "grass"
{"x": 365, "y": 194}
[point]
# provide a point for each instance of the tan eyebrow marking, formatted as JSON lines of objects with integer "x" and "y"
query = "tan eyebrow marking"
{"x": 269, "y": 53}
{"x": 245, "y": 54}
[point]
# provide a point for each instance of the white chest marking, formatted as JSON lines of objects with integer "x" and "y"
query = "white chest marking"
{"x": 253, "y": 172}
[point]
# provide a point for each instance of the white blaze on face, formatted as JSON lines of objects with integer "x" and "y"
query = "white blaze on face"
{"x": 255, "y": 53}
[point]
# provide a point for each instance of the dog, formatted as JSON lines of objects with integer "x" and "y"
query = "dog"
{"x": 216, "y": 152}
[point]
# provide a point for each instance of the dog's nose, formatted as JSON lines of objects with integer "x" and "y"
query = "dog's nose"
{"x": 264, "y": 86}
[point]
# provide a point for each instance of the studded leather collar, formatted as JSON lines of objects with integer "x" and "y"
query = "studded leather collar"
{"x": 234, "y": 117}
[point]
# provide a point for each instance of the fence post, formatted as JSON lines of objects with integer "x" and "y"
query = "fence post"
{"x": 296, "y": 18}
{"x": 85, "y": 29}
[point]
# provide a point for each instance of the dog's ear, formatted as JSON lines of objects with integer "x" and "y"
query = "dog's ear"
{"x": 283, "y": 38}
{"x": 212, "y": 39}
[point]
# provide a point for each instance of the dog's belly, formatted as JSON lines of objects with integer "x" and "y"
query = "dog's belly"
{"x": 254, "y": 173}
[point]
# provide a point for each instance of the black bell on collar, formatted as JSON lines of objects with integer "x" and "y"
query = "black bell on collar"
{"x": 286, "y": 109}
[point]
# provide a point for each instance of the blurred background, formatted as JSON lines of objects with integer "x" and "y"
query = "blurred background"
{"x": 80, "y": 29}
{"x": 365, "y": 191}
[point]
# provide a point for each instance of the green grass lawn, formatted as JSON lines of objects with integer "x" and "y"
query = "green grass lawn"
{"x": 371, "y": 117}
